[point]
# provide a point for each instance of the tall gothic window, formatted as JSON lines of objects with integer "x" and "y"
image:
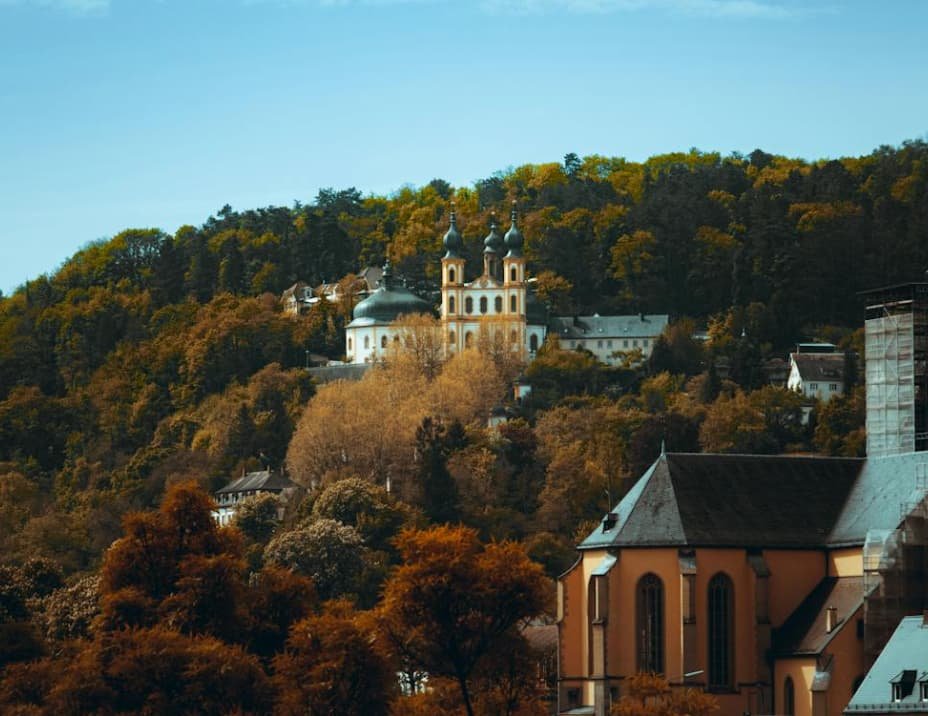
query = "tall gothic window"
{"x": 498, "y": 304}
{"x": 650, "y": 623}
{"x": 789, "y": 697}
{"x": 721, "y": 632}
{"x": 450, "y": 304}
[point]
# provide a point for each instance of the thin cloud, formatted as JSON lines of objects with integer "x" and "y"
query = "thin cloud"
{"x": 747, "y": 9}
{"x": 74, "y": 7}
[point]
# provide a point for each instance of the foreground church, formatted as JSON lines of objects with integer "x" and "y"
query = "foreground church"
{"x": 771, "y": 581}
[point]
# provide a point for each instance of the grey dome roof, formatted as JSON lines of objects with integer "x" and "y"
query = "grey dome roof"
{"x": 389, "y": 302}
{"x": 453, "y": 241}
{"x": 493, "y": 243}
{"x": 513, "y": 237}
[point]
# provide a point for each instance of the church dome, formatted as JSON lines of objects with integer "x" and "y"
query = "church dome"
{"x": 493, "y": 243}
{"x": 388, "y": 302}
{"x": 513, "y": 238}
{"x": 453, "y": 241}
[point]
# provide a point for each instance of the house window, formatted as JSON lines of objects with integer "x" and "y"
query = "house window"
{"x": 645, "y": 342}
{"x": 813, "y": 387}
{"x": 450, "y": 304}
{"x": 635, "y": 343}
{"x": 625, "y": 343}
{"x": 833, "y": 387}
{"x": 468, "y": 305}
{"x": 512, "y": 274}
{"x": 498, "y": 304}
{"x": 513, "y": 306}
{"x": 789, "y": 697}
{"x": 721, "y": 632}
{"x": 608, "y": 344}
{"x": 924, "y": 694}
{"x": 533, "y": 343}
{"x": 383, "y": 341}
{"x": 650, "y": 623}
{"x": 483, "y": 304}
{"x": 599, "y": 344}
{"x": 451, "y": 275}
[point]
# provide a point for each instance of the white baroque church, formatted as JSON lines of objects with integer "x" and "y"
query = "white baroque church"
{"x": 496, "y": 305}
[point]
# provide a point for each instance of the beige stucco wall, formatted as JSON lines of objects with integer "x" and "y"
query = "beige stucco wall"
{"x": 846, "y": 562}
{"x": 793, "y": 574}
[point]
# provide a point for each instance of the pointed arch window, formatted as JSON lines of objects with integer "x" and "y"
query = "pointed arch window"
{"x": 721, "y": 624}
{"x": 789, "y": 697}
{"x": 649, "y": 600}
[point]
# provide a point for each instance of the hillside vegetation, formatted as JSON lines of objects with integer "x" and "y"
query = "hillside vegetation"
{"x": 150, "y": 360}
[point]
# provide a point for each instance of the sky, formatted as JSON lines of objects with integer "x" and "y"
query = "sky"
{"x": 155, "y": 113}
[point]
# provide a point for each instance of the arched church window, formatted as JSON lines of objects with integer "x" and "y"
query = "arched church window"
{"x": 498, "y": 304}
{"x": 450, "y": 304}
{"x": 789, "y": 697}
{"x": 513, "y": 305}
{"x": 483, "y": 304}
{"x": 451, "y": 337}
{"x": 721, "y": 624}
{"x": 367, "y": 342}
{"x": 533, "y": 342}
{"x": 468, "y": 339}
{"x": 383, "y": 341}
{"x": 349, "y": 345}
{"x": 649, "y": 600}
{"x": 512, "y": 274}
{"x": 451, "y": 275}
{"x": 468, "y": 305}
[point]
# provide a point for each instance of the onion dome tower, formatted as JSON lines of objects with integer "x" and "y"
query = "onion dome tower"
{"x": 452, "y": 270}
{"x": 513, "y": 262}
{"x": 492, "y": 251}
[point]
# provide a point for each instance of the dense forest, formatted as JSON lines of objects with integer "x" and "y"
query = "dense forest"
{"x": 148, "y": 362}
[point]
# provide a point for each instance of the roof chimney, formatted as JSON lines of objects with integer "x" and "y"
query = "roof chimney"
{"x": 831, "y": 619}
{"x": 610, "y": 521}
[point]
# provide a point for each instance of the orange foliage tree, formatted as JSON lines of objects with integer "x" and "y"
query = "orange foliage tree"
{"x": 651, "y": 695}
{"x": 454, "y": 602}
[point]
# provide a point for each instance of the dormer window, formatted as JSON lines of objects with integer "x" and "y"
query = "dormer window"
{"x": 923, "y": 687}
{"x": 903, "y": 684}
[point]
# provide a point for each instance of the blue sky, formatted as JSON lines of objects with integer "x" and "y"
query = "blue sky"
{"x": 138, "y": 113}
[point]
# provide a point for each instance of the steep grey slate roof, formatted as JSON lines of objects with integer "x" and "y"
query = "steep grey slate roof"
{"x": 804, "y": 633}
{"x": 876, "y": 501}
{"x": 732, "y": 501}
{"x": 264, "y": 480}
{"x": 634, "y": 326}
{"x": 906, "y": 650}
{"x": 821, "y": 367}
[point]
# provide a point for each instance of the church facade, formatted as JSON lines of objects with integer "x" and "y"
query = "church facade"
{"x": 771, "y": 581}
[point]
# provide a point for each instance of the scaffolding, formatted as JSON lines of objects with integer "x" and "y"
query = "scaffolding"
{"x": 896, "y": 569}
{"x": 896, "y": 330}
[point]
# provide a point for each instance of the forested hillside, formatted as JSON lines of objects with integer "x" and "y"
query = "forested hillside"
{"x": 149, "y": 360}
